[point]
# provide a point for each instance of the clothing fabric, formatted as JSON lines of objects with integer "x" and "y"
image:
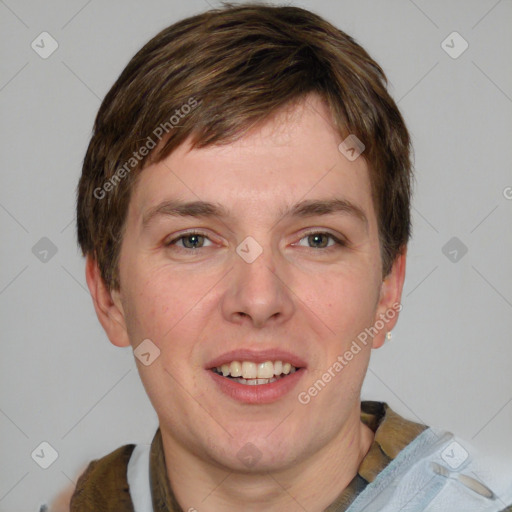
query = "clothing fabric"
{"x": 409, "y": 467}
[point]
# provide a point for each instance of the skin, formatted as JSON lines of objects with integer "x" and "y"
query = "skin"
{"x": 196, "y": 304}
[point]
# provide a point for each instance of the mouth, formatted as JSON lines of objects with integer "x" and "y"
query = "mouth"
{"x": 256, "y": 377}
{"x": 249, "y": 373}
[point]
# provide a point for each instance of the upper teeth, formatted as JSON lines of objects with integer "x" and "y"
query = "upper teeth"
{"x": 250, "y": 370}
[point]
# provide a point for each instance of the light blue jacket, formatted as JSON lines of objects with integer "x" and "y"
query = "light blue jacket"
{"x": 435, "y": 473}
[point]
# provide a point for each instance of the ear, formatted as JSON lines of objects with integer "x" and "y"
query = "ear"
{"x": 107, "y": 304}
{"x": 389, "y": 304}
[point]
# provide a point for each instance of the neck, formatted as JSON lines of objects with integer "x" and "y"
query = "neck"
{"x": 307, "y": 485}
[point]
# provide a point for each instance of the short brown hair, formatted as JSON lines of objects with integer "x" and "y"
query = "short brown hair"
{"x": 237, "y": 65}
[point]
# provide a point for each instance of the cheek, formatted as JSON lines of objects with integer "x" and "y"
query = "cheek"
{"x": 170, "y": 308}
{"x": 150, "y": 307}
{"x": 160, "y": 309}
{"x": 345, "y": 301}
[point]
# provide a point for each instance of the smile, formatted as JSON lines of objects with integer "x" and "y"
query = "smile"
{"x": 253, "y": 374}
{"x": 256, "y": 376}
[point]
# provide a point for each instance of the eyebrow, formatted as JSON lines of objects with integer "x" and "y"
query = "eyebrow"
{"x": 303, "y": 209}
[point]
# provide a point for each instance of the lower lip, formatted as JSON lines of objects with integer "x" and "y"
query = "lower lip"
{"x": 260, "y": 393}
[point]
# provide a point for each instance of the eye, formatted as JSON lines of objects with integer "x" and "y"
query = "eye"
{"x": 319, "y": 239}
{"x": 192, "y": 240}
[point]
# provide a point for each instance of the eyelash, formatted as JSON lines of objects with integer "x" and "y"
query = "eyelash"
{"x": 337, "y": 241}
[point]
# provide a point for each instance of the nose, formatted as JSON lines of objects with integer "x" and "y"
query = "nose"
{"x": 257, "y": 292}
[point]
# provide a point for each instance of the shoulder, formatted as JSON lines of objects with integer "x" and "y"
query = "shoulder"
{"x": 448, "y": 474}
{"x": 103, "y": 485}
{"x": 426, "y": 467}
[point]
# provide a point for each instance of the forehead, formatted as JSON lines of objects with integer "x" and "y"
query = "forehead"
{"x": 291, "y": 157}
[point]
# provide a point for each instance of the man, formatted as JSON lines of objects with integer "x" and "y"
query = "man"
{"x": 244, "y": 212}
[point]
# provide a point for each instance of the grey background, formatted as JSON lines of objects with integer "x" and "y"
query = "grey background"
{"x": 449, "y": 362}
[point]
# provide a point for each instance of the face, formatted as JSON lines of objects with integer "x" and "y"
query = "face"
{"x": 280, "y": 270}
